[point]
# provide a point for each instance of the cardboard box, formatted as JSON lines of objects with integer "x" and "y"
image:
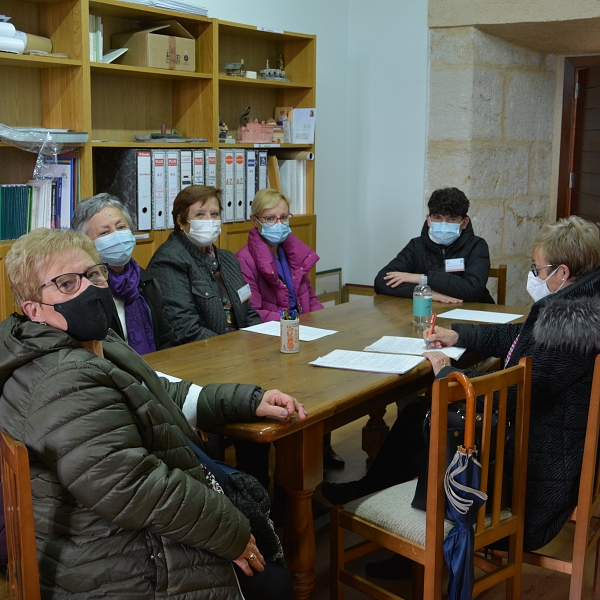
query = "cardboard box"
{"x": 160, "y": 45}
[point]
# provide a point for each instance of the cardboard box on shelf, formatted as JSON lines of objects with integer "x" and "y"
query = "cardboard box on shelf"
{"x": 159, "y": 45}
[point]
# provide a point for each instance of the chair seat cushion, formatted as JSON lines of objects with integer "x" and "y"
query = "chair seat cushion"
{"x": 391, "y": 510}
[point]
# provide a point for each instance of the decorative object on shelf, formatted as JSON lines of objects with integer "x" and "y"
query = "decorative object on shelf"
{"x": 273, "y": 74}
{"x": 223, "y": 129}
{"x": 235, "y": 69}
{"x": 255, "y": 132}
{"x": 245, "y": 118}
{"x": 278, "y": 133}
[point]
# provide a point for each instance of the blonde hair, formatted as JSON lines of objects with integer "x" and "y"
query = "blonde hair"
{"x": 266, "y": 199}
{"x": 574, "y": 242}
{"x": 32, "y": 253}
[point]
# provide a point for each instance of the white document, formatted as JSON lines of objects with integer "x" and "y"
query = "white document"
{"x": 307, "y": 334}
{"x": 303, "y": 125}
{"x": 482, "y": 316}
{"x": 406, "y": 345}
{"x": 366, "y": 361}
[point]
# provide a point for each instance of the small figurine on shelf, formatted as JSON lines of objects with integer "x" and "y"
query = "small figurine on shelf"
{"x": 273, "y": 74}
{"x": 223, "y": 129}
{"x": 255, "y": 132}
{"x": 280, "y": 62}
{"x": 235, "y": 69}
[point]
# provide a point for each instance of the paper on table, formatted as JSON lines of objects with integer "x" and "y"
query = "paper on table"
{"x": 406, "y": 345}
{"x": 483, "y": 316}
{"x": 363, "y": 361}
{"x": 307, "y": 334}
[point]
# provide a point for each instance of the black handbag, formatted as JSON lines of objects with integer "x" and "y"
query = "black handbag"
{"x": 456, "y": 437}
{"x": 249, "y": 496}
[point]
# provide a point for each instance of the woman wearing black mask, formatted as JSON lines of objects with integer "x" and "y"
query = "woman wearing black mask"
{"x": 122, "y": 505}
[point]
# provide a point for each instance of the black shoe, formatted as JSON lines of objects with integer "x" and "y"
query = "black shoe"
{"x": 340, "y": 493}
{"x": 397, "y": 567}
{"x": 331, "y": 460}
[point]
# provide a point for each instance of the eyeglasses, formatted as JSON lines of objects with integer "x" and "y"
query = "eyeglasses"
{"x": 285, "y": 219}
{"x": 69, "y": 283}
{"x": 536, "y": 270}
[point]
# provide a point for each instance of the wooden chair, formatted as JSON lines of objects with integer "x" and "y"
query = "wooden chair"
{"x": 587, "y": 526}
{"x": 386, "y": 519}
{"x": 23, "y": 576}
{"x": 499, "y": 273}
{"x": 356, "y": 289}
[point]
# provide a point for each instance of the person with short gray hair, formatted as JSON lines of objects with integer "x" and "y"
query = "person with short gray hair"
{"x": 140, "y": 317}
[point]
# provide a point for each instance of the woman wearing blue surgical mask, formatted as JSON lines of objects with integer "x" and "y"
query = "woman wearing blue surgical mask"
{"x": 455, "y": 260}
{"x": 140, "y": 318}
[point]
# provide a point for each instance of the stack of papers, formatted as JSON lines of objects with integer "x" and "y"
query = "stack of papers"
{"x": 307, "y": 334}
{"x": 406, "y": 345}
{"x": 364, "y": 361}
{"x": 176, "y": 5}
{"x": 482, "y": 316}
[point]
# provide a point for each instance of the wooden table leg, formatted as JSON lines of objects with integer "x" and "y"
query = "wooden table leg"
{"x": 299, "y": 469}
{"x": 374, "y": 434}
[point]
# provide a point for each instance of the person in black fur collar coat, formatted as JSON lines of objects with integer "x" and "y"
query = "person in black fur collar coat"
{"x": 562, "y": 334}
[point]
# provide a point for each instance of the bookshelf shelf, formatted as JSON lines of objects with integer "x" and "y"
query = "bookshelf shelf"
{"x": 113, "y": 102}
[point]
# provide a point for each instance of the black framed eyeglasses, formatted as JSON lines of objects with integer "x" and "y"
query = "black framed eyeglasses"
{"x": 536, "y": 270}
{"x": 69, "y": 283}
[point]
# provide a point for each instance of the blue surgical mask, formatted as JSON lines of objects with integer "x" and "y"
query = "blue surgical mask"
{"x": 275, "y": 234}
{"x": 444, "y": 233}
{"x": 116, "y": 247}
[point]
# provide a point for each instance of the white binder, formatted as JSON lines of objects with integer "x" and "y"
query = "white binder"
{"x": 198, "y": 167}
{"x": 239, "y": 191}
{"x": 210, "y": 172}
{"x": 185, "y": 168}
{"x": 172, "y": 183}
{"x": 159, "y": 205}
{"x": 144, "y": 190}
{"x": 263, "y": 180}
{"x": 226, "y": 184}
{"x": 250, "y": 181}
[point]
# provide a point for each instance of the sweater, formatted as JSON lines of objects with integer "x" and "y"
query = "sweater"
{"x": 270, "y": 295}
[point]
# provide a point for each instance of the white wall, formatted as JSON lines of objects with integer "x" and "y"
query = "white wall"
{"x": 371, "y": 120}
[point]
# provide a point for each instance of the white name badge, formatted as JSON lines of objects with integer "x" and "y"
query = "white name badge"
{"x": 455, "y": 264}
{"x": 244, "y": 293}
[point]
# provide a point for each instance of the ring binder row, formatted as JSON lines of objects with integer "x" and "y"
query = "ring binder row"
{"x": 148, "y": 181}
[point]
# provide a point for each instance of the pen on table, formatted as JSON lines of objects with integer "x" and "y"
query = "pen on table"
{"x": 431, "y": 328}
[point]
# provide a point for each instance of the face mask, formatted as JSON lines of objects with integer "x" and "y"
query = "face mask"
{"x": 444, "y": 233}
{"x": 116, "y": 247}
{"x": 204, "y": 232}
{"x": 88, "y": 315}
{"x": 538, "y": 288}
{"x": 275, "y": 234}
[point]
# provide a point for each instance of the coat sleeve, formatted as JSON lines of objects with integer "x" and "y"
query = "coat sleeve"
{"x": 166, "y": 337}
{"x": 314, "y": 304}
{"x": 174, "y": 280}
{"x": 405, "y": 263}
{"x": 250, "y": 275}
{"x": 88, "y": 437}
{"x": 494, "y": 340}
{"x": 221, "y": 403}
{"x": 469, "y": 285}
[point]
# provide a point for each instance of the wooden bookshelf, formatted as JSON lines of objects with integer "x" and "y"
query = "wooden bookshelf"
{"x": 114, "y": 101}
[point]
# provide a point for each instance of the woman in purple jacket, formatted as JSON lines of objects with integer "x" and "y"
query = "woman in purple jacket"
{"x": 276, "y": 264}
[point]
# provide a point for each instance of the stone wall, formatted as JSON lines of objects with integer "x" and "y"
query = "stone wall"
{"x": 490, "y": 133}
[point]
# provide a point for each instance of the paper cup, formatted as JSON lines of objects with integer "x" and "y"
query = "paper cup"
{"x": 290, "y": 336}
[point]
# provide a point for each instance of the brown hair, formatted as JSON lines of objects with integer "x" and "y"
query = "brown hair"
{"x": 31, "y": 254}
{"x": 190, "y": 195}
{"x": 574, "y": 242}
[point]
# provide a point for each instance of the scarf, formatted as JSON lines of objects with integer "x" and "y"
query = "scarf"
{"x": 125, "y": 286}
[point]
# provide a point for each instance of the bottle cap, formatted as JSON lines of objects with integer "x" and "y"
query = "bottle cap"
{"x": 422, "y": 279}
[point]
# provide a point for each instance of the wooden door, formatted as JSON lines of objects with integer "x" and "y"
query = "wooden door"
{"x": 579, "y": 171}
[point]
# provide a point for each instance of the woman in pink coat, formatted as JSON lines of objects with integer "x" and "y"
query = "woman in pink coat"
{"x": 276, "y": 264}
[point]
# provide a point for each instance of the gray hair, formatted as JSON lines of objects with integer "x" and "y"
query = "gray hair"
{"x": 88, "y": 207}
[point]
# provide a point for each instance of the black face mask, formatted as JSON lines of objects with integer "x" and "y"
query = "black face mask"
{"x": 88, "y": 315}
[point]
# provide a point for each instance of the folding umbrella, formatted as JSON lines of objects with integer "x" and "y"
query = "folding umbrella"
{"x": 463, "y": 500}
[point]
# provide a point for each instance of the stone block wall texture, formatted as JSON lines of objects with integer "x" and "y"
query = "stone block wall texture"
{"x": 490, "y": 134}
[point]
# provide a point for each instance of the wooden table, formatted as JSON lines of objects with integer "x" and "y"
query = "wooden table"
{"x": 332, "y": 397}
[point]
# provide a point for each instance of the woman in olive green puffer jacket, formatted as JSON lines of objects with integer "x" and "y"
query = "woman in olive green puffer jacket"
{"x": 122, "y": 507}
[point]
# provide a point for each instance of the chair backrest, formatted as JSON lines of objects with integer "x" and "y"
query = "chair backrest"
{"x": 356, "y": 289}
{"x": 499, "y": 273}
{"x": 490, "y": 387}
{"x": 23, "y": 575}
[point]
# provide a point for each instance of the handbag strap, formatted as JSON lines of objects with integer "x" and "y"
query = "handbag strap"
{"x": 221, "y": 471}
{"x": 469, "y": 442}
